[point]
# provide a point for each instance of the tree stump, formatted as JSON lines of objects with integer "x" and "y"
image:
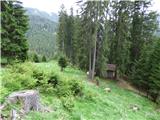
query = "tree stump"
{"x": 28, "y": 98}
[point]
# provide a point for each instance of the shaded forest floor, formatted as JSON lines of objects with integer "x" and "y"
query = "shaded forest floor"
{"x": 99, "y": 105}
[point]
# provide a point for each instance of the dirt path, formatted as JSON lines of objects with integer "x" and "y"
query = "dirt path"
{"x": 124, "y": 84}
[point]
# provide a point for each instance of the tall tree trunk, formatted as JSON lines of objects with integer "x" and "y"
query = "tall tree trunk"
{"x": 90, "y": 63}
{"x": 63, "y": 50}
{"x": 94, "y": 56}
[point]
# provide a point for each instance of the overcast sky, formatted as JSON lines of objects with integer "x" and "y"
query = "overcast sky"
{"x": 49, "y": 5}
{"x": 54, "y": 5}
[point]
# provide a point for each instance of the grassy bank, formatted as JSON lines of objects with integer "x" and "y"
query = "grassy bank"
{"x": 94, "y": 104}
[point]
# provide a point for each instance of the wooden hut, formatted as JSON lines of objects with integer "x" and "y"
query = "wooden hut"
{"x": 110, "y": 72}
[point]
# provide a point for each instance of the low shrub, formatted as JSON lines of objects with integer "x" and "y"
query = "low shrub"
{"x": 17, "y": 81}
{"x": 3, "y": 61}
{"x": 53, "y": 80}
{"x": 62, "y": 62}
{"x": 68, "y": 102}
{"x": 89, "y": 95}
{"x": 69, "y": 87}
{"x": 18, "y": 76}
{"x": 63, "y": 89}
{"x": 11, "y": 81}
{"x": 4, "y": 92}
{"x": 22, "y": 68}
{"x": 27, "y": 81}
{"x": 44, "y": 59}
{"x": 76, "y": 87}
{"x": 36, "y": 58}
{"x": 39, "y": 77}
{"x": 47, "y": 89}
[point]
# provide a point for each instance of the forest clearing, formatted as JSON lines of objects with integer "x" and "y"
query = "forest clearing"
{"x": 90, "y": 60}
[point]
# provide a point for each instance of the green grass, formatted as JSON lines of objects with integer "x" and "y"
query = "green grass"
{"x": 101, "y": 106}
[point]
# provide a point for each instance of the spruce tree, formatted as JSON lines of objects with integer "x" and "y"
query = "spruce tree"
{"x": 36, "y": 58}
{"x": 95, "y": 13}
{"x": 140, "y": 73}
{"x": 154, "y": 79}
{"x": 62, "y": 62}
{"x": 144, "y": 24}
{"x": 14, "y": 24}
{"x": 119, "y": 44}
{"x": 62, "y": 30}
{"x": 44, "y": 58}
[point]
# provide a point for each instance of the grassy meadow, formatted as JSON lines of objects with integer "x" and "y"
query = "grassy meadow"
{"x": 94, "y": 103}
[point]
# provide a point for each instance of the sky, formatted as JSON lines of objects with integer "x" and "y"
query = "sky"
{"x": 50, "y": 5}
{"x": 54, "y": 5}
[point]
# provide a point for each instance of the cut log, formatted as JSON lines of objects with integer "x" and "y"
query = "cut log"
{"x": 28, "y": 98}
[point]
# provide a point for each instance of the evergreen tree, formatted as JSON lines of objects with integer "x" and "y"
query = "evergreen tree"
{"x": 69, "y": 36}
{"x": 76, "y": 40}
{"x": 62, "y": 30}
{"x": 14, "y": 24}
{"x": 146, "y": 71}
{"x": 44, "y": 59}
{"x": 140, "y": 73}
{"x": 95, "y": 12}
{"x": 144, "y": 24}
{"x": 36, "y": 58}
{"x": 62, "y": 62}
{"x": 154, "y": 79}
{"x": 119, "y": 44}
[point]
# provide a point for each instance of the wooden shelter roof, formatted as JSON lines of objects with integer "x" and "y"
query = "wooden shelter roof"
{"x": 111, "y": 67}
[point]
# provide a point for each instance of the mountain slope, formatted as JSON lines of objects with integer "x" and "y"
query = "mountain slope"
{"x": 41, "y": 33}
{"x": 96, "y": 104}
{"x": 35, "y": 12}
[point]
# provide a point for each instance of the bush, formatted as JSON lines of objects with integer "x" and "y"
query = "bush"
{"x": 4, "y": 92}
{"x": 4, "y": 61}
{"x": 89, "y": 95}
{"x": 69, "y": 88}
{"x": 23, "y": 68}
{"x": 17, "y": 81}
{"x": 76, "y": 87}
{"x": 68, "y": 102}
{"x": 44, "y": 59}
{"x": 39, "y": 77}
{"x": 62, "y": 62}
{"x": 63, "y": 89}
{"x": 18, "y": 76}
{"x": 53, "y": 80}
{"x": 36, "y": 58}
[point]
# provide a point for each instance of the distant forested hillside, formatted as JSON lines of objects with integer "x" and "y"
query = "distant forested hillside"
{"x": 41, "y": 33}
{"x": 35, "y": 12}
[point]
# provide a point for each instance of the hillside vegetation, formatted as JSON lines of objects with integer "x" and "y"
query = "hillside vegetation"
{"x": 94, "y": 103}
{"x": 42, "y": 32}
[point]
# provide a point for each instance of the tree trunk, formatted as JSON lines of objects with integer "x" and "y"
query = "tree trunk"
{"x": 94, "y": 56}
{"x": 90, "y": 63}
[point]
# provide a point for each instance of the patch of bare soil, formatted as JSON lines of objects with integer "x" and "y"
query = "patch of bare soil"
{"x": 126, "y": 85}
